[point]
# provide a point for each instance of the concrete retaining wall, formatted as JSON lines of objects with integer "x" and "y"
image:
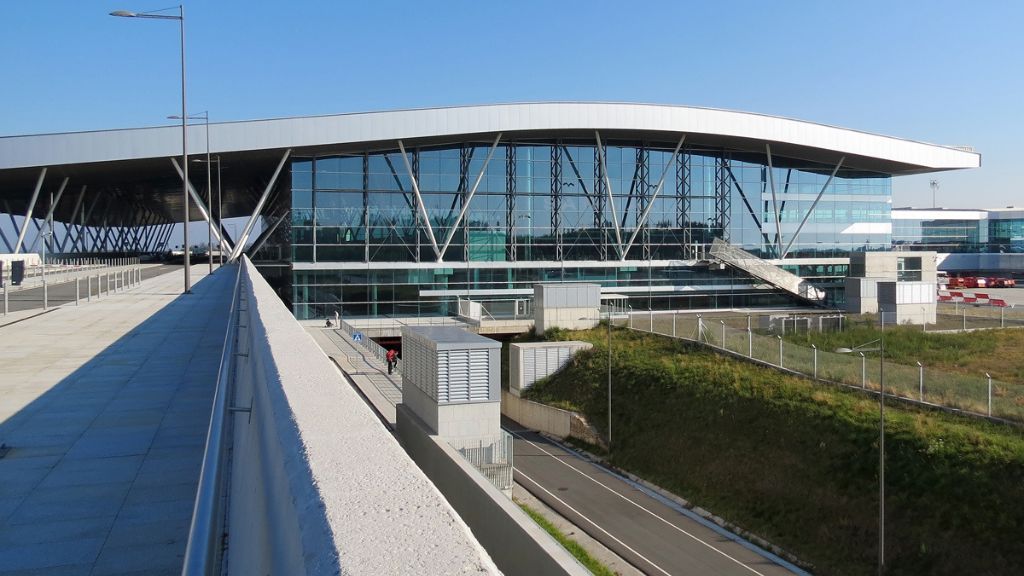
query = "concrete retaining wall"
{"x": 536, "y": 416}
{"x": 516, "y": 543}
{"x": 318, "y": 485}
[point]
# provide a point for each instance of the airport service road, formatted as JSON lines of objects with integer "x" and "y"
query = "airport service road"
{"x": 652, "y": 534}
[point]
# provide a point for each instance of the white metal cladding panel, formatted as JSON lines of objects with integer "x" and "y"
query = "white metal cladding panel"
{"x": 480, "y": 375}
{"x": 529, "y": 375}
{"x": 915, "y": 293}
{"x": 463, "y": 376}
{"x": 100, "y": 146}
{"x": 419, "y": 366}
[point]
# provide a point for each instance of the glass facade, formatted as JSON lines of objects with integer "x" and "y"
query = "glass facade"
{"x": 634, "y": 218}
{"x": 959, "y": 231}
{"x": 945, "y": 235}
{"x": 1006, "y": 235}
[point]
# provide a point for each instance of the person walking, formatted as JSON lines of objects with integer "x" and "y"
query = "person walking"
{"x": 392, "y": 358}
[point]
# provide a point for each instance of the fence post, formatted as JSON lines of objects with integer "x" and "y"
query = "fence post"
{"x": 965, "y": 318}
{"x": 780, "y": 350}
{"x": 88, "y": 288}
{"x": 724, "y": 347}
{"x": 920, "y": 380}
{"x": 700, "y": 328}
{"x": 748, "y": 322}
{"x": 1002, "y": 312}
{"x": 863, "y": 371}
{"x": 78, "y": 290}
{"x": 750, "y": 343}
{"x": 674, "y": 314}
{"x": 652, "y": 321}
{"x": 989, "y": 394}
{"x": 815, "y": 352}
{"x": 630, "y": 317}
{"x": 5, "y": 294}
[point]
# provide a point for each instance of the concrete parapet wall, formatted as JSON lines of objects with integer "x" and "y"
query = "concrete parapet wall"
{"x": 536, "y": 416}
{"x": 515, "y": 542}
{"x": 318, "y": 485}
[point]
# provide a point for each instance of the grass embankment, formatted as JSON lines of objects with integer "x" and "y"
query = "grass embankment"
{"x": 797, "y": 462}
{"x": 573, "y": 547}
{"x": 997, "y": 352}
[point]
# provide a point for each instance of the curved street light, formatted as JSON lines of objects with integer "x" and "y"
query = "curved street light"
{"x": 184, "y": 122}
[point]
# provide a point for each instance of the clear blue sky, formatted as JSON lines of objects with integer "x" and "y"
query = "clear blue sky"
{"x": 937, "y": 71}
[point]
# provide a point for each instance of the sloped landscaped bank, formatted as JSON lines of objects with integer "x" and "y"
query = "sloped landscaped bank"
{"x": 797, "y": 462}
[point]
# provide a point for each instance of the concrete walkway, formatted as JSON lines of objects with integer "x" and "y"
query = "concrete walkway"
{"x": 368, "y": 373}
{"x": 105, "y": 408}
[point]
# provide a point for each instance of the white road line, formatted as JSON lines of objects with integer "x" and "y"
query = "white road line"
{"x": 594, "y": 524}
{"x": 613, "y": 491}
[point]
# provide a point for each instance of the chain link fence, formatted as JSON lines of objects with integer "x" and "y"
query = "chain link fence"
{"x": 975, "y": 394}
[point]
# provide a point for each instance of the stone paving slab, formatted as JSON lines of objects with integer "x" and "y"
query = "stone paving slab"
{"x": 105, "y": 407}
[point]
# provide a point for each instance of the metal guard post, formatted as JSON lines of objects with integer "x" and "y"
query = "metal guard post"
{"x": 203, "y": 541}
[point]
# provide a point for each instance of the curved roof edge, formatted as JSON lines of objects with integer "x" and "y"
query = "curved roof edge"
{"x": 799, "y": 138}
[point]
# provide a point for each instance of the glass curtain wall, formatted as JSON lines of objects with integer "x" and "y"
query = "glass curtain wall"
{"x": 547, "y": 202}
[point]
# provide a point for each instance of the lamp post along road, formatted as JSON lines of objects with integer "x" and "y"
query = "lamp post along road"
{"x": 205, "y": 116}
{"x": 184, "y": 122}
{"x": 881, "y": 439}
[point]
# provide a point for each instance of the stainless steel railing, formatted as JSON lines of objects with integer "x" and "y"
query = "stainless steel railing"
{"x": 202, "y": 554}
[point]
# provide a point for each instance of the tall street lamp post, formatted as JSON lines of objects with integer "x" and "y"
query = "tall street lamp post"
{"x": 205, "y": 115}
{"x": 609, "y": 378}
{"x": 184, "y": 122}
{"x": 881, "y": 441}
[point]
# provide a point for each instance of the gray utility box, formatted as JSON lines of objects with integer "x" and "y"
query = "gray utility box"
{"x": 531, "y": 361}
{"x": 573, "y": 306}
{"x": 451, "y": 380}
{"x": 907, "y": 302}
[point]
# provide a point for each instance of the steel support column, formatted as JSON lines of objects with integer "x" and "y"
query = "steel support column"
{"x": 244, "y": 237}
{"x": 54, "y": 201}
{"x": 683, "y": 201}
{"x": 511, "y": 217}
{"x": 28, "y": 213}
{"x": 723, "y": 196}
{"x": 419, "y": 201}
{"x": 611, "y": 196}
{"x": 601, "y": 219}
{"x": 556, "y": 198}
{"x": 775, "y": 204}
{"x": 204, "y": 210}
{"x": 70, "y": 225}
{"x": 467, "y": 200}
{"x": 648, "y": 203}
{"x": 813, "y": 205}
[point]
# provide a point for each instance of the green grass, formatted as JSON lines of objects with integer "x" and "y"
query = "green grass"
{"x": 574, "y": 548}
{"x": 997, "y": 352}
{"x": 797, "y": 462}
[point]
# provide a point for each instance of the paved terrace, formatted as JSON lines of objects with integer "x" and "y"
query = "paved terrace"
{"x": 105, "y": 408}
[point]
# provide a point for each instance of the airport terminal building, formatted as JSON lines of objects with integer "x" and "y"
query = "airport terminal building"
{"x": 404, "y": 213}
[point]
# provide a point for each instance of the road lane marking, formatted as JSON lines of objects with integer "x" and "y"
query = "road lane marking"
{"x": 652, "y": 513}
{"x": 594, "y": 524}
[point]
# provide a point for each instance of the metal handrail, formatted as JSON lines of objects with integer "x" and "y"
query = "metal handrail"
{"x": 203, "y": 541}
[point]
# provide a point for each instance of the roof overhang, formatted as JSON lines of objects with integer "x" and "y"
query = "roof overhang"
{"x": 134, "y": 163}
{"x": 737, "y": 130}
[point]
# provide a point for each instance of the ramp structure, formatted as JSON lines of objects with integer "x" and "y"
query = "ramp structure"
{"x": 742, "y": 260}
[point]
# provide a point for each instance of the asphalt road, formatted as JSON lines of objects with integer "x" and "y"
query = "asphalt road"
{"x": 65, "y": 292}
{"x": 652, "y": 534}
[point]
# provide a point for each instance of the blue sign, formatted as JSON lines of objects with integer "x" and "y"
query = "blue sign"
{"x": 357, "y": 337}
